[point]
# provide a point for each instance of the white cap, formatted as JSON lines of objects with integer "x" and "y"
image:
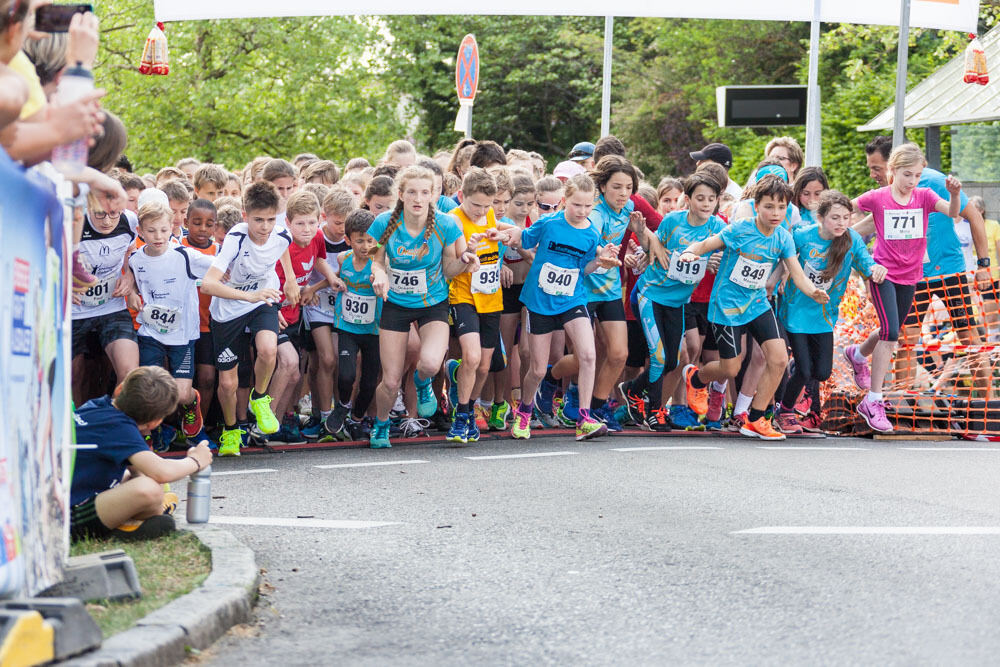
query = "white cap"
{"x": 152, "y": 194}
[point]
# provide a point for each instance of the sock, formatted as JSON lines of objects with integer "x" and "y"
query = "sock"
{"x": 858, "y": 357}
{"x": 499, "y": 405}
{"x": 595, "y": 403}
{"x": 697, "y": 382}
{"x": 720, "y": 386}
{"x": 742, "y": 403}
{"x": 755, "y": 414}
{"x": 465, "y": 407}
{"x": 549, "y": 377}
{"x": 323, "y": 414}
{"x": 231, "y": 427}
{"x": 527, "y": 408}
{"x": 584, "y": 414}
{"x": 875, "y": 397}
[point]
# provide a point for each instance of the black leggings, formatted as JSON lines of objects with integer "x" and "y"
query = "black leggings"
{"x": 813, "y": 354}
{"x": 669, "y": 323}
{"x": 892, "y": 304}
{"x": 352, "y": 344}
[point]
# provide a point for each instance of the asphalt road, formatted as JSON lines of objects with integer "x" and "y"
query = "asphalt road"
{"x": 864, "y": 552}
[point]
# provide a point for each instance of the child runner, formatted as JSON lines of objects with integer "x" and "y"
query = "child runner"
{"x": 567, "y": 246}
{"x": 827, "y": 251}
{"x": 809, "y": 184}
{"x": 739, "y": 303}
{"x": 899, "y": 221}
{"x": 419, "y": 249}
{"x": 248, "y": 300}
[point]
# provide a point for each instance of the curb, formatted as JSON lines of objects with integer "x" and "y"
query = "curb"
{"x": 195, "y": 620}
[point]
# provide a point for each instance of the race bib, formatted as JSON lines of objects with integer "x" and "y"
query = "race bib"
{"x": 815, "y": 276}
{"x": 688, "y": 273}
{"x": 750, "y": 274}
{"x": 486, "y": 280}
{"x": 357, "y": 308}
{"x": 327, "y": 301}
{"x": 904, "y": 224}
{"x": 558, "y": 281}
{"x": 161, "y": 319}
{"x": 251, "y": 285}
{"x": 408, "y": 282}
{"x": 99, "y": 294}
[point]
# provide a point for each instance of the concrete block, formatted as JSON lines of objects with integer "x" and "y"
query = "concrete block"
{"x": 108, "y": 575}
{"x": 204, "y": 614}
{"x": 75, "y": 630}
{"x": 142, "y": 646}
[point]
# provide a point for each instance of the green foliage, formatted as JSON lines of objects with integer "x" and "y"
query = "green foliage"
{"x": 242, "y": 88}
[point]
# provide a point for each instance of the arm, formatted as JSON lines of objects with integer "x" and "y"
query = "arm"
{"x": 606, "y": 258}
{"x": 32, "y": 141}
{"x": 331, "y": 278}
{"x": 799, "y": 278}
{"x": 866, "y": 227}
{"x": 696, "y": 250}
{"x": 380, "y": 276}
{"x": 291, "y": 287}
{"x": 457, "y": 258}
{"x": 979, "y": 239}
{"x": 163, "y": 471}
{"x": 951, "y": 209}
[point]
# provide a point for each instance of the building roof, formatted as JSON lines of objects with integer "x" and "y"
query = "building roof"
{"x": 944, "y": 99}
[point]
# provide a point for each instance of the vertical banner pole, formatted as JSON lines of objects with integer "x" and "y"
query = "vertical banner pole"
{"x": 609, "y": 31}
{"x": 902, "y": 52}
{"x": 814, "y": 127}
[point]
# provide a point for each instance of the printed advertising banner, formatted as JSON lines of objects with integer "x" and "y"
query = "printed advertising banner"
{"x": 944, "y": 14}
{"x": 34, "y": 385}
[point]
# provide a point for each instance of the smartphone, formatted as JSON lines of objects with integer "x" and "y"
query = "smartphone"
{"x": 56, "y": 18}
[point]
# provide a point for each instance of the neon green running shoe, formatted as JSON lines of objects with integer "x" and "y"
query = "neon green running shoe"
{"x": 230, "y": 441}
{"x": 261, "y": 409}
{"x": 499, "y": 412}
{"x": 588, "y": 428}
{"x": 521, "y": 428}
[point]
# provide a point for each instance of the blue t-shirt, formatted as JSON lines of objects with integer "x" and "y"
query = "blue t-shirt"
{"x": 798, "y": 312}
{"x": 117, "y": 438}
{"x": 446, "y": 204}
{"x": 416, "y": 281}
{"x": 807, "y": 217}
{"x": 944, "y": 250}
{"x": 740, "y": 292}
{"x": 363, "y": 309}
{"x": 606, "y": 284}
{"x": 554, "y": 283}
{"x": 674, "y": 285}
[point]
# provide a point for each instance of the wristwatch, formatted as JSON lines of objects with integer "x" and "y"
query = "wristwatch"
{"x": 983, "y": 262}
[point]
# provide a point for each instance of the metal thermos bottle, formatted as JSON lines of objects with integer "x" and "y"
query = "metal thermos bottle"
{"x": 199, "y": 495}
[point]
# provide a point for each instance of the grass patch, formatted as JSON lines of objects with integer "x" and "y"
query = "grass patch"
{"x": 168, "y": 567}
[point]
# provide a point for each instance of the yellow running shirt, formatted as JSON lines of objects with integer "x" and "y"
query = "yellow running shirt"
{"x": 482, "y": 288}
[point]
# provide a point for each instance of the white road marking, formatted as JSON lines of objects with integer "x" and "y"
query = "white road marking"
{"x": 518, "y": 456}
{"x": 811, "y": 449}
{"x": 655, "y": 449}
{"x": 296, "y": 522}
{"x": 251, "y": 471}
{"x": 368, "y": 465}
{"x": 951, "y": 449}
{"x": 870, "y": 530}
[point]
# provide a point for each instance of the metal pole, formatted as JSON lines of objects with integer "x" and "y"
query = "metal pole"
{"x": 609, "y": 32}
{"x": 902, "y": 51}
{"x": 468, "y": 124}
{"x": 814, "y": 130}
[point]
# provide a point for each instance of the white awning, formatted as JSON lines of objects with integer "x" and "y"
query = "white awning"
{"x": 944, "y": 99}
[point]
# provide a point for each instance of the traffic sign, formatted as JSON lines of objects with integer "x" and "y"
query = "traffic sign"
{"x": 467, "y": 69}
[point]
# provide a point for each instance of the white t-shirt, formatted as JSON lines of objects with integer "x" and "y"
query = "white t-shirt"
{"x": 168, "y": 285}
{"x": 964, "y": 233}
{"x": 325, "y": 311}
{"x": 104, "y": 256}
{"x": 734, "y": 189}
{"x": 250, "y": 267}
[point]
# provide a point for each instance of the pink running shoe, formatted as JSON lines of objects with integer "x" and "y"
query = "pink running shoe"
{"x": 716, "y": 402}
{"x": 862, "y": 374}
{"x": 874, "y": 414}
{"x": 788, "y": 423}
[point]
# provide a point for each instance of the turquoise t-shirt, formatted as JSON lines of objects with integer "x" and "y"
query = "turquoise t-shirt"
{"x": 740, "y": 291}
{"x": 606, "y": 284}
{"x": 446, "y": 204}
{"x": 358, "y": 310}
{"x": 416, "y": 281}
{"x": 798, "y": 312}
{"x": 944, "y": 250}
{"x": 554, "y": 283}
{"x": 674, "y": 285}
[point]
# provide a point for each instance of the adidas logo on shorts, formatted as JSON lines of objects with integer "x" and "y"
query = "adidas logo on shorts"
{"x": 226, "y": 356}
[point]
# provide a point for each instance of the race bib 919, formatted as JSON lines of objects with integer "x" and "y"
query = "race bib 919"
{"x": 688, "y": 273}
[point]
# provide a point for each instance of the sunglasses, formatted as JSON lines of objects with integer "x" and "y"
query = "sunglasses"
{"x": 547, "y": 207}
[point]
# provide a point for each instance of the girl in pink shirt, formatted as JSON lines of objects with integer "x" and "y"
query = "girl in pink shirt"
{"x": 899, "y": 221}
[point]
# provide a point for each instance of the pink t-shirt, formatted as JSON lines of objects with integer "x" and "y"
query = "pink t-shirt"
{"x": 901, "y": 231}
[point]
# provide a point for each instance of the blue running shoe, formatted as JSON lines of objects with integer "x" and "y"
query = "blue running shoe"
{"x": 605, "y": 415}
{"x": 571, "y": 404}
{"x": 427, "y": 403}
{"x": 379, "y": 438}
{"x": 683, "y": 417}
{"x": 160, "y": 438}
{"x": 459, "y": 428}
{"x": 451, "y": 366}
{"x": 472, "y": 434}
{"x": 543, "y": 398}
{"x": 203, "y": 435}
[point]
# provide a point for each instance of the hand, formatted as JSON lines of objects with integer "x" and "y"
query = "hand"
{"x": 984, "y": 279}
{"x": 687, "y": 256}
{"x": 494, "y": 234}
{"x": 292, "y": 292}
{"x": 819, "y": 296}
{"x": 77, "y": 120}
{"x": 76, "y": 296}
{"x": 380, "y": 284}
{"x": 714, "y": 261}
{"x": 201, "y": 453}
{"x": 338, "y": 285}
{"x": 271, "y": 296}
{"x": 471, "y": 261}
{"x": 608, "y": 257}
{"x": 637, "y": 223}
{"x": 506, "y": 276}
{"x": 953, "y": 184}
{"x": 282, "y": 322}
{"x": 125, "y": 286}
{"x": 782, "y": 283}
{"x": 308, "y": 297}
{"x": 82, "y": 40}
{"x": 878, "y": 273}
{"x": 632, "y": 260}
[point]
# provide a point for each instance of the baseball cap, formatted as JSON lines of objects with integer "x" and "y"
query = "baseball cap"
{"x": 152, "y": 194}
{"x": 716, "y": 153}
{"x": 568, "y": 169}
{"x": 582, "y": 151}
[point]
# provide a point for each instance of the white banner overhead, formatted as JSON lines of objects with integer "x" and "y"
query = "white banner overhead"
{"x": 944, "y": 14}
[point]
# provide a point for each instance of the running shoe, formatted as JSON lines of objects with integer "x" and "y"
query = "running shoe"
{"x": 160, "y": 438}
{"x": 399, "y": 407}
{"x": 621, "y": 416}
{"x": 634, "y": 406}
{"x": 459, "y": 431}
{"x": 379, "y": 438}
{"x": 788, "y": 423}
{"x": 261, "y": 409}
{"x": 499, "y": 412}
{"x": 737, "y": 421}
{"x": 451, "y": 367}
{"x": 545, "y": 419}
{"x": 874, "y": 414}
{"x": 482, "y": 416}
{"x": 170, "y": 500}
{"x": 762, "y": 429}
{"x": 804, "y": 404}
{"x": 440, "y": 421}
{"x": 427, "y": 403}
{"x": 697, "y": 399}
{"x": 335, "y": 420}
{"x": 544, "y": 396}
{"x": 571, "y": 404}
{"x": 230, "y": 442}
{"x": 191, "y": 421}
{"x": 411, "y": 427}
{"x": 472, "y": 434}
{"x": 862, "y": 372}
{"x": 658, "y": 421}
{"x": 521, "y": 428}
{"x": 603, "y": 414}
{"x": 716, "y": 403}
{"x": 357, "y": 430}
{"x": 305, "y": 405}
{"x": 683, "y": 417}
{"x": 291, "y": 429}
{"x": 812, "y": 423}
{"x": 147, "y": 529}
{"x": 562, "y": 420}
{"x": 313, "y": 429}
{"x": 588, "y": 428}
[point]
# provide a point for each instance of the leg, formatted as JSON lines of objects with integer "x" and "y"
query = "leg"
{"x": 136, "y": 498}
{"x": 581, "y": 334}
{"x": 392, "y": 352}
{"x": 267, "y": 357}
{"x": 228, "y": 384}
{"x": 321, "y": 379}
{"x": 124, "y": 356}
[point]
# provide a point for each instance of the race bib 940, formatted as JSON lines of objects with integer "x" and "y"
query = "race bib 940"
{"x": 557, "y": 281}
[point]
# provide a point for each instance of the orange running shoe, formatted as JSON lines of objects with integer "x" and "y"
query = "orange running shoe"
{"x": 762, "y": 429}
{"x": 697, "y": 399}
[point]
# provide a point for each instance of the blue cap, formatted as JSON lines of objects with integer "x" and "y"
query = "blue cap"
{"x": 773, "y": 169}
{"x": 582, "y": 151}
